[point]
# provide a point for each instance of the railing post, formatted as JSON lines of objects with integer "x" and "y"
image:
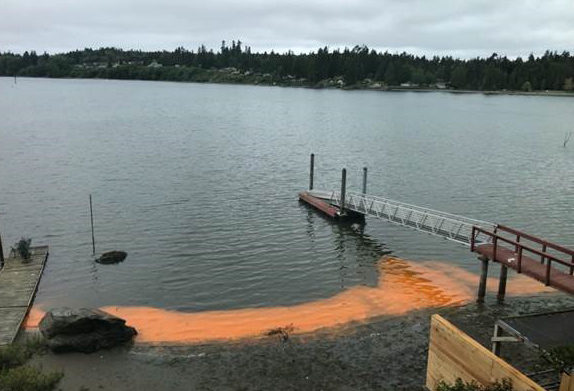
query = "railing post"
{"x": 311, "y": 171}
{"x": 364, "y": 180}
{"x": 496, "y": 342}
{"x": 542, "y": 256}
{"x": 571, "y": 263}
{"x": 472, "y": 238}
{"x": 495, "y": 245}
{"x": 547, "y": 282}
{"x": 519, "y": 262}
{"x": 343, "y": 189}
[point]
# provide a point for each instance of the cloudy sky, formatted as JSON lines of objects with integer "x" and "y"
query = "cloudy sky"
{"x": 462, "y": 28}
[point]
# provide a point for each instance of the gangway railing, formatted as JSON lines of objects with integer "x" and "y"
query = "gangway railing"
{"x": 449, "y": 226}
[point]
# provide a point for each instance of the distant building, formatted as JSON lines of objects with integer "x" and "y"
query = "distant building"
{"x": 154, "y": 64}
{"x": 441, "y": 85}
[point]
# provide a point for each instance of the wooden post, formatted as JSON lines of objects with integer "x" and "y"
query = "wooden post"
{"x": 92, "y": 223}
{"x": 364, "y": 180}
{"x": 311, "y": 171}
{"x": 483, "y": 278}
{"x": 502, "y": 284}
{"x": 343, "y": 189}
{"x": 496, "y": 343}
{"x": 1, "y": 253}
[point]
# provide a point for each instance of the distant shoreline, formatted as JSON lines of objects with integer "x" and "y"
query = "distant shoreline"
{"x": 552, "y": 93}
{"x": 522, "y": 93}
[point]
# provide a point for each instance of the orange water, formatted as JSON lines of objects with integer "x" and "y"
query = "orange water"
{"x": 402, "y": 287}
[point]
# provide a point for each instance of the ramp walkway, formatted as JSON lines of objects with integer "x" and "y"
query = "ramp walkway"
{"x": 448, "y": 226}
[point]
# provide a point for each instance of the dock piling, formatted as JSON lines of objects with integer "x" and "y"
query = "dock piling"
{"x": 343, "y": 189}
{"x": 364, "y": 180}
{"x": 311, "y": 171}
{"x": 483, "y": 278}
{"x": 502, "y": 283}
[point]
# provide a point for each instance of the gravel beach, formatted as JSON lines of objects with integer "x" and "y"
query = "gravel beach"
{"x": 387, "y": 353}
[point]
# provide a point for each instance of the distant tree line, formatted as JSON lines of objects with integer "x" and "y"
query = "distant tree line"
{"x": 348, "y": 67}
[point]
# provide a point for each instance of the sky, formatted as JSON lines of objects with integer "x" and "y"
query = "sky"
{"x": 460, "y": 28}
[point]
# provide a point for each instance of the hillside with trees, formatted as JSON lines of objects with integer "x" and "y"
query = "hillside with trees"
{"x": 359, "y": 67}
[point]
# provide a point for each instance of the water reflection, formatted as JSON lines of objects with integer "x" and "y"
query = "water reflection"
{"x": 356, "y": 252}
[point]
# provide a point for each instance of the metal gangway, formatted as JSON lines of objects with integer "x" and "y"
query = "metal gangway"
{"x": 449, "y": 226}
{"x": 452, "y": 227}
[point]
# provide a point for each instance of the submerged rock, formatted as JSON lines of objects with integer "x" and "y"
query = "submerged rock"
{"x": 83, "y": 330}
{"x": 112, "y": 257}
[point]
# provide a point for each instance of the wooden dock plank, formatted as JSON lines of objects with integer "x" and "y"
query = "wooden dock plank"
{"x": 8, "y": 318}
{"x": 319, "y": 204}
{"x": 18, "y": 284}
{"x": 36, "y": 261}
{"x": 530, "y": 267}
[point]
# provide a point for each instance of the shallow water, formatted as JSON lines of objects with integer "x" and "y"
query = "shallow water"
{"x": 198, "y": 184}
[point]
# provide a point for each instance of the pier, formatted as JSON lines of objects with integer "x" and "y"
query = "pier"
{"x": 19, "y": 281}
{"x": 546, "y": 262}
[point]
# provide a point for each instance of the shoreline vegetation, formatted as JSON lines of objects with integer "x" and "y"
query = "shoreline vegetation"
{"x": 359, "y": 68}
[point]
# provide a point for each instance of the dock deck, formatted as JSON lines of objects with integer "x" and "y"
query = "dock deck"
{"x": 547, "y": 262}
{"x": 319, "y": 204}
{"x": 19, "y": 281}
{"x": 541, "y": 272}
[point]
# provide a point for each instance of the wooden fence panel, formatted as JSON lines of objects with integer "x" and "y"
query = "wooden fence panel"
{"x": 453, "y": 354}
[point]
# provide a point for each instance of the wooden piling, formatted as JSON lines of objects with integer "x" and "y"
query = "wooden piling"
{"x": 502, "y": 283}
{"x": 92, "y": 224}
{"x": 343, "y": 189}
{"x": 1, "y": 253}
{"x": 311, "y": 171}
{"x": 364, "y": 180}
{"x": 483, "y": 278}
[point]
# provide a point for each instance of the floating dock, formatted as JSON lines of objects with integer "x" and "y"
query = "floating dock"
{"x": 19, "y": 281}
{"x": 319, "y": 204}
{"x": 544, "y": 261}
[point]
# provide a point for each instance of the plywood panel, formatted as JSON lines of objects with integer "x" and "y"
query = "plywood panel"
{"x": 453, "y": 354}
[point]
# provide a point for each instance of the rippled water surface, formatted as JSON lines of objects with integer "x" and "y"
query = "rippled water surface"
{"x": 198, "y": 183}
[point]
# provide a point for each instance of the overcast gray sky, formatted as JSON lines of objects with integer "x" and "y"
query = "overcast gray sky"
{"x": 462, "y": 28}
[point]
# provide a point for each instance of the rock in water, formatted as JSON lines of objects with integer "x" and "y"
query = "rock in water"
{"x": 83, "y": 330}
{"x": 112, "y": 257}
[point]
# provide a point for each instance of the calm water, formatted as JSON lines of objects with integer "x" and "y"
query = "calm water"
{"x": 198, "y": 183}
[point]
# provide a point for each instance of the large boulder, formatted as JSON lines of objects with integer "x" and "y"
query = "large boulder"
{"x": 83, "y": 330}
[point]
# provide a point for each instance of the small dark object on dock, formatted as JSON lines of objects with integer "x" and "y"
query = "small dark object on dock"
{"x": 112, "y": 257}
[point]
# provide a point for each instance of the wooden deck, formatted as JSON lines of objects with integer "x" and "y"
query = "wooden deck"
{"x": 319, "y": 204}
{"x": 18, "y": 284}
{"x": 533, "y": 268}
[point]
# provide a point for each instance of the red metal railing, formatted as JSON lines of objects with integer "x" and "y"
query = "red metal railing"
{"x": 519, "y": 248}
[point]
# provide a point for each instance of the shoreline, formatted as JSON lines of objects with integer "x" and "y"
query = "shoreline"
{"x": 361, "y": 356}
{"x": 357, "y": 354}
{"x": 551, "y": 93}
